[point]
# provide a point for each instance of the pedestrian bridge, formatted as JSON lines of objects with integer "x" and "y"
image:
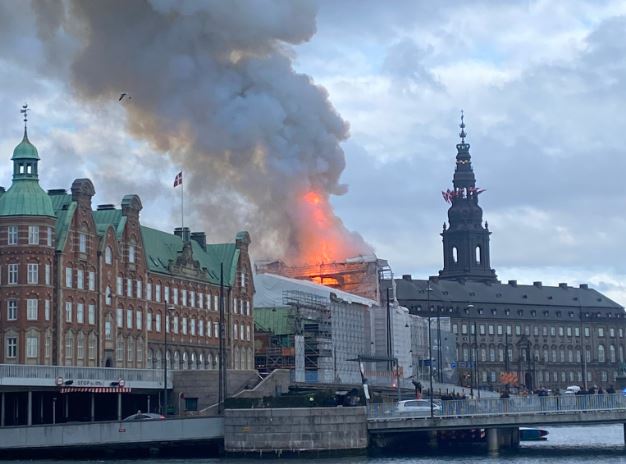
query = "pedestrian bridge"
{"x": 505, "y": 413}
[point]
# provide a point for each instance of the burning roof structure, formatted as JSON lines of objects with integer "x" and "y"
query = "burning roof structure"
{"x": 359, "y": 275}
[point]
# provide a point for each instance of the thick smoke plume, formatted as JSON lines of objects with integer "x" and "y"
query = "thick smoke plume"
{"x": 213, "y": 86}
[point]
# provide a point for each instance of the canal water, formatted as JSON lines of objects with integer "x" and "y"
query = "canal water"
{"x": 599, "y": 444}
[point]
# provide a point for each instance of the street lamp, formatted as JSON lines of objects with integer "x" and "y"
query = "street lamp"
{"x": 166, "y": 324}
{"x": 472, "y": 355}
{"x": 583, "y": 351}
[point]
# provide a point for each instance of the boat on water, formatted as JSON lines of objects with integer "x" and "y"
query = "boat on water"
{"x": 532, "y": 434}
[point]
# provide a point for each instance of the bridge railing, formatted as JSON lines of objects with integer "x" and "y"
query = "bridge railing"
{"x": 505, "y": 406}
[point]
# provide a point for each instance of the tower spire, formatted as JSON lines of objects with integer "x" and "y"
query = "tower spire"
{"x": 25, "y": 111}
{"x": 462, "y": 126}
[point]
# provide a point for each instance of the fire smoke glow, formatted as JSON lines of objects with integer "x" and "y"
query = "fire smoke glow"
{"x": 213, "y": 87}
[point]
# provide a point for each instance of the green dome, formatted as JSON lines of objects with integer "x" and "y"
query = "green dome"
{"x": 25, "y": 150}
{"x": 26, "y": 198}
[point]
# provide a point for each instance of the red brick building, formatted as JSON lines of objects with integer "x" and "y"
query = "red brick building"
{"x": 85, "y": 287}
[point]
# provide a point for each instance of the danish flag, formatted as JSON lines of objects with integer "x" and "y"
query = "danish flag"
{"x": 179, "y": 179}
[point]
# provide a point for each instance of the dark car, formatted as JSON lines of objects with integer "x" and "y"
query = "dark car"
{"x": 144, "y": 416}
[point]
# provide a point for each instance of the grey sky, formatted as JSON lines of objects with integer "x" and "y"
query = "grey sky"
{"x": 541, "y": 83}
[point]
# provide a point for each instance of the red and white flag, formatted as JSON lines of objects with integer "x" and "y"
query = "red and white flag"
{"x": 179, "y": 179}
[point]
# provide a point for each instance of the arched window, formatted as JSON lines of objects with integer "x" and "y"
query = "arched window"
{"x": 478, "y": 254}
{"x": 139, "y": 351}
{"x": 237, "y": 358}
{"x": 611, "y": 353}
{"x": 150, "y": 359}
{"x": 194, "y": 364}
{"x": 131, "y": 251}
{"x": 176, "y": 360}
{"x": 80, "y": 346}
{"x": 108, "y": 255}
{"x": 201, "y": 361}
{"x": 107, "y": 296}
{"x": 69, "y": 348}
{"x": 185, "y": 360}
{"x": 454, "y": 255}
{"x": 159, "y": 360}
{"x": 601, "y": 355}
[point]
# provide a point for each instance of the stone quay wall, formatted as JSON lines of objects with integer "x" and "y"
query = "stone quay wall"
{"x": 295, "y": 430}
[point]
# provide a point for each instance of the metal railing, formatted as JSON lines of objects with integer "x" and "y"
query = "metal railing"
{"x": 22, "y": 371}
{"x": 505, "y": 406}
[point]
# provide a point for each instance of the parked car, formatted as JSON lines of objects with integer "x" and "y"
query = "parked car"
{"x": 144, "y": 416}
{"x": 417, "y": 407}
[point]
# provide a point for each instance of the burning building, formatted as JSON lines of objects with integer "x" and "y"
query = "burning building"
{"x": 359, "y": 275}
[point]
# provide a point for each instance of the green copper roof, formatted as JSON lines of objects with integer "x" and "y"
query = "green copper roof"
{"x": 161, "y": 248}
{"x": 26, "y": 198}
{"x": 109, "y": 217}
{"x": 25, "y": 149}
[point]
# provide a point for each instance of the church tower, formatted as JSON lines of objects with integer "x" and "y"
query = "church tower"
{"x": 465, "y": 239}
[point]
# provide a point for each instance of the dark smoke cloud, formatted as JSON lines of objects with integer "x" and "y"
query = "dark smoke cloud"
{"x": 213, "y": 87}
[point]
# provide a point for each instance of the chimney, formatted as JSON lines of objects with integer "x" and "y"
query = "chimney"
{"x": 199, "y": 238}
{"x": 583, "y": 286}
{"x": 563, "y": 285}
{"x": 183, "y": 233}
{"x": 131, "y": 205}
{"x": 513, "y": 283}
{"x": 106, "y": 207}
{"x": 82, "y": 191}
{"x": 406, "y": 277}
{"x": 537, "y": 283}
{"x": 242, "y": 241}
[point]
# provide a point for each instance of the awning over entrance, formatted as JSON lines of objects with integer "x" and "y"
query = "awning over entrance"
{"x": 95, "y": 390}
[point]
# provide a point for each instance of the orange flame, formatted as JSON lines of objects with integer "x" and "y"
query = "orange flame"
{"x": 322, "y": 236}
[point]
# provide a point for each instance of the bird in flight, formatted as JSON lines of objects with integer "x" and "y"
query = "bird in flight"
{"x": 124, "y": 95}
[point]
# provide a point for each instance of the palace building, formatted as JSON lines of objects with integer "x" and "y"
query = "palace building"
{"x": 94, "y": 287}
{"x": 528, "y": 335}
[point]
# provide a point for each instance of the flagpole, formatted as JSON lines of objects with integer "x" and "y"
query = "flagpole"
{"x": 182, "y": 216}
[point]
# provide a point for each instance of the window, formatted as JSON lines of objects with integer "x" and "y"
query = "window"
{"x": 107, "y": 296}
{"x": 12, "y": 235}
{"x": 47, "y": 274}
{"x": 518, "y": 330}
{"x": 31, "y": 309}
{"x": 131, "y": 253}
{"x": 248, "y": 336}
{"x": 139, "y": 289}
{"x": 200, "y": 302}
{"x": 191, "y": 404}
{"x": 569, "y": 331}
{"x": 576, "y": 332}
{"x": 108, "y": 255}
{"x": 175, "y": 295}
{"x": 129, "y": 318}
{"x": 184, "y": 325}
{"x": 12, "y": 310}
{"x": 242, "y": 332}
{"x": 68, "y": 277}
{"x": 130, "y": 349}
{"x": 235, "y": 305}
{"x": 69, "y": 345}
{"x": 119, "y": 318}
{"x": 92, "y": 314}
{"x": 490, "y": 329}
{"x": 560, "y": 331}
{"x": 166, "y": 294}
{"x": 92, "y": 347}
{"x": 149, "y": 321}
{"x": 138, "y": 320}
{"x": 48, "y": 345}
{"x": 244, "y": 278}
{"x": 129, "y": 287}
{"x": 216, "y": 329}
{"x": 601, "y": 355}
{"x": 80, "y": 346}
{"x": 175, "y": 324}
{"x": 119, "y": 350}
{"x": 157, "y": 291}
{"x": 600, "y": 332}
{"x": 49, "y": 236}
{"x": 46, "y": 310}
{"x": 119, "y": 287}
{"x": 82, "y": 242}
{"x": 92, "y": 281}
{"x": 611, "y": 332}
{"x": 193, "y": 327}
{"x": 11, "y": 350}
{"x": 586, "y": 331}
{"x": 32, "y": 276}
{"x": 80, "y": 313}
{"x": 80, "y": 279}
{"x": 149, "y": 292}
{"x": 235, "y": 332}
{"x": 33, "y": 235}
{"x": 108, "y": 332}
{"x": 201, "y": 328}
{"x": 192, "y": 298}
{"x": 68, "y": 311}
{"x": 553, "y": 331}
{"x": 158, "y": 323}
{"x": 184, "y": 296}
{"x": 13, "y": 273}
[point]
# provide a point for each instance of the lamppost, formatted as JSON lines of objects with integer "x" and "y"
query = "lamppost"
{"x": 430, "y": 350}
{"x": 166, "y": 324}
{"x": 473, "y": 355}
{"x": 583, "y": 351}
